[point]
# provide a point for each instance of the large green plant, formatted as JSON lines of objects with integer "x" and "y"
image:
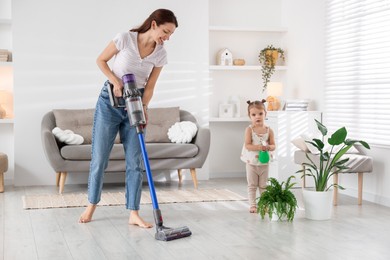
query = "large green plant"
{"x": 330, "y": 161}
{"x": 268, "y": 62}
{"x": 277, "y": 198}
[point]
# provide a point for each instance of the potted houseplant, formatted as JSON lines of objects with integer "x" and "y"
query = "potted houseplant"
{"x": 330, "y": 162}
{"x": 277, "y": 200}
{"x": 268, "y": 58}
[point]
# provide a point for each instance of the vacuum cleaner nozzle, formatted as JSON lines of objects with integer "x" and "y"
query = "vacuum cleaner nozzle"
{"x": 168, "y": 234}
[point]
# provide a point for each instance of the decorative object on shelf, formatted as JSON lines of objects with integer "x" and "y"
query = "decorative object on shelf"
{"x": 226, "y": 110}
{"x": 268, "y": 58}
{"x": 274, "y": 90}
{"x": 239, "y": 62}
{"x": 278, "y": 200}
{"x": 236, "y": 102}
{"x": 4, "y": 55}
{"x": 225, "y": 57}
{"x": 297, "y": 104}
{"x": 331, "y": 162}
{"x": 3, "y": 100}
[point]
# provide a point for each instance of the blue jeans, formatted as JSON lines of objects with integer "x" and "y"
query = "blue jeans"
{"x": 107, "y": 122}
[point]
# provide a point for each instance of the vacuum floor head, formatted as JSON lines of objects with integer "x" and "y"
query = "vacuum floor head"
{"x": 168, "y": 234}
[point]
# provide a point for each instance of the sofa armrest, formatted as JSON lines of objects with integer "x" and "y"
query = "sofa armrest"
{"x": 202, "y": 140}
{"x": 49, "y": 143}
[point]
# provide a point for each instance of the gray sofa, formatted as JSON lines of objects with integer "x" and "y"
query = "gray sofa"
{"x": 163, "y": 154}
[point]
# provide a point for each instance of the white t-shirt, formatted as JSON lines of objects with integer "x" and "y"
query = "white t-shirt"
{"x": 128, "y": 59}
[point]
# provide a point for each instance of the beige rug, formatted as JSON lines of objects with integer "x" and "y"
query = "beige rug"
{"x": 46, "y": 201}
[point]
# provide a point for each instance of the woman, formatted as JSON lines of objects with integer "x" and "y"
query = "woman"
{"x": 140, "y": 52}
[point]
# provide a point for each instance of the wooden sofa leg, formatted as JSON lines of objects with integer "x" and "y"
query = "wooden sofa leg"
{"x": 179, "y": 175}
{"x": 194, "y": 179}
{"x": 335, "y": 190}
{"x": 360, "y": 188}
{"x": 62, "y": 181}
{"x": 58, "y": 175}
{"x": 1, "y": 182}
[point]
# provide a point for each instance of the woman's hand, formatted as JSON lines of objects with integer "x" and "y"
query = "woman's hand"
{"x": 118, "y": 87}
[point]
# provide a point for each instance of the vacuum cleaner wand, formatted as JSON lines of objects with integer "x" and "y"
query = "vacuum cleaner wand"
{"x": 137, "y": 118}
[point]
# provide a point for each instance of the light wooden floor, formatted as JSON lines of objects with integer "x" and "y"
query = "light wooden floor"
{"x": 223, "y": 230}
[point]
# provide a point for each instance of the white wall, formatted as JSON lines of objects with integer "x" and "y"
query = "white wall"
{"x": 56, "y": 44}
{"x": 305, "y": 44}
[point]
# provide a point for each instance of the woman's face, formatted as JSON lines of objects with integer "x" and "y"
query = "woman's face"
{"x": 162, "y": 32}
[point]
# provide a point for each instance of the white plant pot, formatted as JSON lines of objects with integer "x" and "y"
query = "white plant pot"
{"x": 275, "y": 217}
{"x": 318, "y": 205}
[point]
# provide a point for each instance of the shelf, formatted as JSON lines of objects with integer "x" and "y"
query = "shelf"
{"x": 7, "y": 121}
{"x": 249, "y": 29}
{"x": 5, "y": 63}
{"x": 249, "y": 67}
{"x": 6, "y": 21}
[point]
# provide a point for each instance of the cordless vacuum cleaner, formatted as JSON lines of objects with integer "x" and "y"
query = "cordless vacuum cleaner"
{"x": 133, "y": 104}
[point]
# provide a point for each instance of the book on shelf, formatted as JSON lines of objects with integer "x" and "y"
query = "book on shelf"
{"x": 5, "y": 55}
{"x": 296, "y": 104}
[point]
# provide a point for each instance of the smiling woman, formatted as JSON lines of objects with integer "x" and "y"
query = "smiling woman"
{"x": 139, "y": 52}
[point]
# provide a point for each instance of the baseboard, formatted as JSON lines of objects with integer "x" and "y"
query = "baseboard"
{"x": 215, "y": 175}
{"x": 367, "y": 196}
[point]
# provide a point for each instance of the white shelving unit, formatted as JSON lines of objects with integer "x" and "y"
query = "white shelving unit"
{"x": 244, "y": 40}
{"x": 7, "y": 121}
{"x": 5, "y": 21}
{"x": 6, "y": 74}
{"x": 244, "y": 67}
{"x": 248, "y": 29}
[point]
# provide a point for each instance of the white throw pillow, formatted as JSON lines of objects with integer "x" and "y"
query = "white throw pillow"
{"x": 310, "y": 147}
{"x": 299, "y": 142}
{"x": 182, "y": 132}
{"x": 67, "y": 136}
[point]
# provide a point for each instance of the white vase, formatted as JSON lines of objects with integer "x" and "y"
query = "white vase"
{"x": 318, "y": 205}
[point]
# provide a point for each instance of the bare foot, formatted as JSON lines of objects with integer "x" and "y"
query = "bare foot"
{"x": 135, "y": 219}
{"x": 253, "y": 209}
{"x": 87, "y": 214}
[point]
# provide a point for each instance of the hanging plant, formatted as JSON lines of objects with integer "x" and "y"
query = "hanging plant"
{"x": 268, "y": 58}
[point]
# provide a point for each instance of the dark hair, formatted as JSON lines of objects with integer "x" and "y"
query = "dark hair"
{"x": 257, "y": 104}
{"x": 161, "y": 16}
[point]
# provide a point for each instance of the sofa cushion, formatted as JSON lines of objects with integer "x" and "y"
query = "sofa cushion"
{"x": 159, "y": 121}
{"x": 80, "y": 121}
{"x": 77, "y": 120}
{"x": 155, "y": 151}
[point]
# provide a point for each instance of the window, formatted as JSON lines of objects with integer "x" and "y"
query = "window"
{"x": 357, "y": 69}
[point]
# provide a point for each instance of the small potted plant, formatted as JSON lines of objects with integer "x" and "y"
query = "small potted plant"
{"x": 330, "y": 162}
{"x": 268, "y": 58}
{"x": 278, "y": 199}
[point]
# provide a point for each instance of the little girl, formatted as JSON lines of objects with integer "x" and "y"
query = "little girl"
{"x": 258, "y": 137}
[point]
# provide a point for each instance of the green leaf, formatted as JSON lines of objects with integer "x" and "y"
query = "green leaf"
{"x": 338, "y": 137}
{"x": 321, "y": 127}
{"x": 319, "y": 144}
{"x": 330, "y": 163}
